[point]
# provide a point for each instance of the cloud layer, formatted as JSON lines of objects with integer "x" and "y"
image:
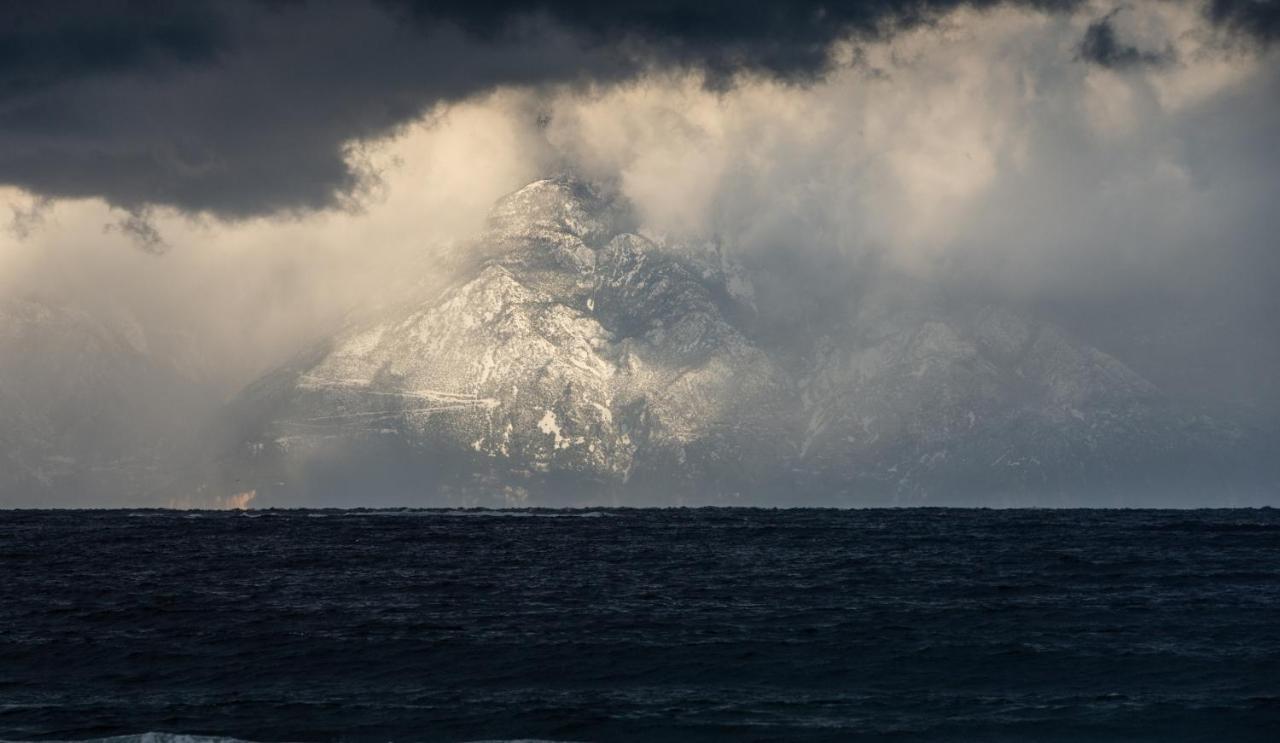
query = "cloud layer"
{"x": 240, "y": 109}
{"x": 1110, "y": 164}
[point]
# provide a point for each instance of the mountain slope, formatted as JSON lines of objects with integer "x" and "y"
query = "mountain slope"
{"x": 998, "y": 408}
{"x": 578, "y": 361}
{"x": 86, "y": 414}
{"x": 581, "y": 362}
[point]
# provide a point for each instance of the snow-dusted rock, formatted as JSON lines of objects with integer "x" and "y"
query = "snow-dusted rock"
{"x": 582, "y": 362}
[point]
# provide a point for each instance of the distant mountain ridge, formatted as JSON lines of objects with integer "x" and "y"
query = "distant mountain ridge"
{"x": 583, "y": 363}
{"x": 87, "y": 411}
{"x": 574, "y": 360}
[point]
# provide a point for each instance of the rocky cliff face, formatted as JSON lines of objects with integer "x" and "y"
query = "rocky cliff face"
{"x": 580, "y": 362}
{"x": 583, "y": 363}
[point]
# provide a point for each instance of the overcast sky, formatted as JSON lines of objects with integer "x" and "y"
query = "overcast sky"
{"x": 245, "y": 173}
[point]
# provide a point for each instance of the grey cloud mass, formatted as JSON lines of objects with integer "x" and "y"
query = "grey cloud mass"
{"x": 1102, "y": 46}
{"x": 248, "y": 108}
{"x": 251, "y": 115}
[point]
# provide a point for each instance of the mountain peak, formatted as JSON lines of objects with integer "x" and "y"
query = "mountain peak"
{"x": 582, "y": 362}
{"x": 563, "y": 207}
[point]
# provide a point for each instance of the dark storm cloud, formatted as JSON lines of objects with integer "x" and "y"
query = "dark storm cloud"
{"x": 1259, "y": 19}
{"x": 140, "y": 231}
{"x": 46, "y": 44}
{"x": 251, "y": 111}
{"x": 248, "y": 108}
{"x": 788, "y": 38}
{"x": 1101, "y": 46}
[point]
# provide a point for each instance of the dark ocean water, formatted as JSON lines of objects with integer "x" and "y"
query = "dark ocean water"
{"x": 642, "y": 625}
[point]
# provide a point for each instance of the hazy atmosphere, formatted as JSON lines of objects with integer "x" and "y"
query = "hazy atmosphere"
{"x": 864, "y": 253}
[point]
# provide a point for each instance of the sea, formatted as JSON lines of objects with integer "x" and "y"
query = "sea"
{"x": 710, "y": 624}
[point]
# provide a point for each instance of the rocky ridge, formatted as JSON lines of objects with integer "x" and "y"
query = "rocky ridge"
{"x": 582, "y": 362}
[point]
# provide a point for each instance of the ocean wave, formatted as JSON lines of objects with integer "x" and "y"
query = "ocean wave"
{"x": 149, "y": 738}
{"x": 156, "y": 737}
{"x": 455, "y": 513}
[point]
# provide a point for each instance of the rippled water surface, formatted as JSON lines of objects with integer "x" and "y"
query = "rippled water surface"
{"x": 642, "y": 625}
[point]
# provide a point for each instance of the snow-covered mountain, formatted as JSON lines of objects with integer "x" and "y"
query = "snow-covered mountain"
{"x": 997, "y": 407}
{"x": 88, "y": 413}
{"x": 582, "y": 362}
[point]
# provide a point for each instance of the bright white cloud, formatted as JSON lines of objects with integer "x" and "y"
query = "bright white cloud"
{"x": 251, "y": 291}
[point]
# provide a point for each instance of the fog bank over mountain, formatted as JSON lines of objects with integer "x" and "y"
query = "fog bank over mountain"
{"x": 1055, "y": 218}
{"x": 582, "y": 363}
